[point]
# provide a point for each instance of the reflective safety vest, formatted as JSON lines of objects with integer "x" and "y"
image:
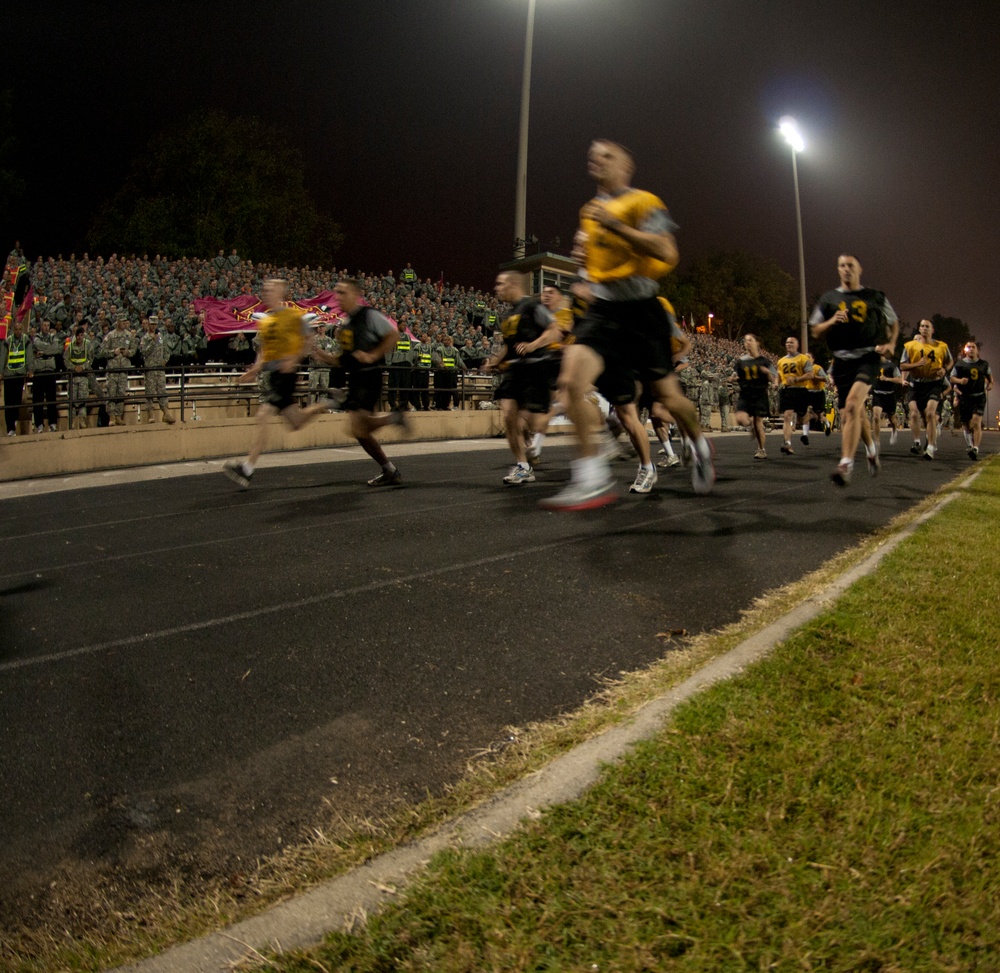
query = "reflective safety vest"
{"x": 448, "y": 358}
{"x": 425, "y": 359}
{"x": 77, "y": 355}
{"x": 409, "y": 275}
{"x": 15, "y": 356}
{"x": 403, "y": 344}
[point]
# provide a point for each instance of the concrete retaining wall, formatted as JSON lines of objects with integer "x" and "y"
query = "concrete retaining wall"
{"x": 114, "y": 447}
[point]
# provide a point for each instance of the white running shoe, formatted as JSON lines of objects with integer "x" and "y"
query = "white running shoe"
{"x": 842, "y": 474}
{"x": 519, "y": 474}
{"x": 578, "y": 497}
{"x": 703, "y": 468}
{"x": 644, "y": 481}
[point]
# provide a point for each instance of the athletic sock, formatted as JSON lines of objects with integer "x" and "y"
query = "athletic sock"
{"x": 591, "y": 470}
{"x": 871, "y": 450}
{"x": 805, "y": 428}
{"x": 247, "y": 467}
{"x": 389, "y": 467}
{"x": 537, "y": 440}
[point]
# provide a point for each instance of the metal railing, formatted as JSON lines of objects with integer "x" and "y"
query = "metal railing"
{"x": 188, "y": 385}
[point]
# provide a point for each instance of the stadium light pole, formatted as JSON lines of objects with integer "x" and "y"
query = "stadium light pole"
{"x": 521, "y": 195}
{"x": 790, "y": 130}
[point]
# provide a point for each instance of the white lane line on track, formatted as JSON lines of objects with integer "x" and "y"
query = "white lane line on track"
{"x": 381, "y": 515}
{"x": 347, "y": 592}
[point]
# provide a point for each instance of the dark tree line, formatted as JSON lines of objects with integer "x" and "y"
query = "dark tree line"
{"x": 218, "y": 183}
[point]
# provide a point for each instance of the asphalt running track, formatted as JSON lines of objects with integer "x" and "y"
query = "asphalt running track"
{"x": 192, "y": 676}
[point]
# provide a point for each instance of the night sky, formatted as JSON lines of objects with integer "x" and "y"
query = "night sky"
{"x": 408, "y": 116}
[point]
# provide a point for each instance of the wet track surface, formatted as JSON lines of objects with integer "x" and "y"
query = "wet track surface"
{"x": 192, "y": 676}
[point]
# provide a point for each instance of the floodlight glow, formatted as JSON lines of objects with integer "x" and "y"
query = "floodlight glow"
{"x": 790, "y": 129}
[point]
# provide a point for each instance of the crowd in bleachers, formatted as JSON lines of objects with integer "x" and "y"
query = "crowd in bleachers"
{"x": 94, "y": 293}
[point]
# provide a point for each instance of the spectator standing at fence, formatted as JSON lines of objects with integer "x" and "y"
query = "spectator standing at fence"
{"x": 423, "y": 362}
{"x": 173, "y": 343}
{"x": 319, "y": 371}
{"x": 449, "y": 363}
{"x": 195, "y": 344}
{"x": 484, "y": 351}
{"x": 725, "y": 401}
{"x": 118, "y": 348}
{"x": 470, "y": 355}
{"x": 153, "y": 347}
{"x": 48, "y": 349}
{"x": 239, "y": 348}
{"x": 78, "y": 360}
{"x": 17, "y": 364}
{"x": 400, "y": 364}
{"x": 706, "y": 398}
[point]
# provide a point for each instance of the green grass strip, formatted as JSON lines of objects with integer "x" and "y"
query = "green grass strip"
{"x": 834, "y": 809}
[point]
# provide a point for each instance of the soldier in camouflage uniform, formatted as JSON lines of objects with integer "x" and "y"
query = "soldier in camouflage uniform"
{"x": 118, "y": 348}
{"x": 706, "y": 398}
{"x": 239, "y": 349}
{"x": 263, "y": 378}
{"x": 154, "y": 359}
{"x": 725, "y": 400}
{"x": 17, "y": 363}
{"x": 174, "y": 344}
{"x": 423, "y": 360}
{"x": 194, "y": 344}
{"x": 78, "y": 360}
{"x": 319, "y": 373}
{"x": 48, "y": 350}
{"x": 400, "y": 362}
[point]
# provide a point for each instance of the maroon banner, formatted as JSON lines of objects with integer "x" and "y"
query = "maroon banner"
{"x": 229, "y": 317}
{"x": 223, "y": 318}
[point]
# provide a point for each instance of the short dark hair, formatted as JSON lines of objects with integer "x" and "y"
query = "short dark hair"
{"x": 624, "y": 148}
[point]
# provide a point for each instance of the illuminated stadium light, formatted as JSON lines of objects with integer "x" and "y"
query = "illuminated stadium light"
{"x": 790, "y": 130}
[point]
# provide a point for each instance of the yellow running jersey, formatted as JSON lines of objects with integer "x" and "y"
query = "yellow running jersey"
{"x": 610, "y": 257}
{"x": 792, "y": 366}
{"x": 937, "y": 354}
{"x": 281, "y": 333}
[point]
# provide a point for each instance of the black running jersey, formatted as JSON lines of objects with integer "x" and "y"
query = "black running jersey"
{"x": 976, "y": 372}
{"x": 753, "y": 373}
{"x": 888, "y": 370}
{"x": 867, "y": 319}
{"x": 527, "y": 321}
